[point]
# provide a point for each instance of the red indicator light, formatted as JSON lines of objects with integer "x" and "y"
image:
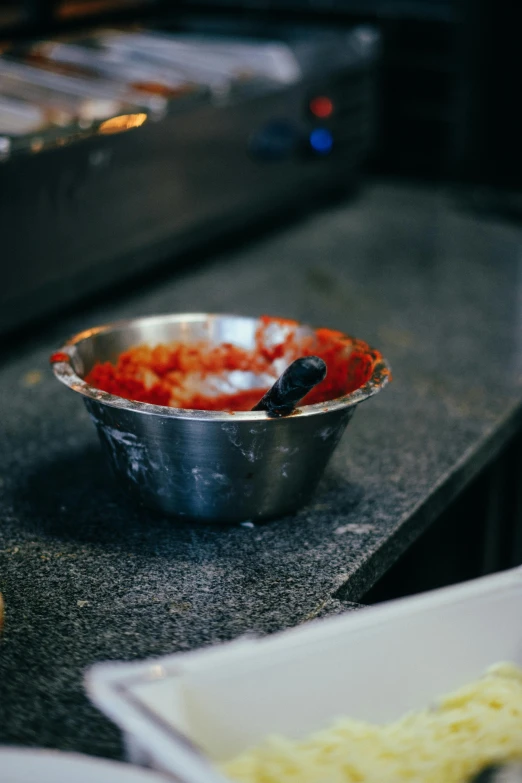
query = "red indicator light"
{"x": 321, "y": 107}
{"x": 57, "y": 357}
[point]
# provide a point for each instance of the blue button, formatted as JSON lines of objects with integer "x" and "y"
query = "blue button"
{"x": 321, "y": 141}
{"x": 275, "y": 141}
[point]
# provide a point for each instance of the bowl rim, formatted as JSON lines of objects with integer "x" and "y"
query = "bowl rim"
{"x": 62, "y": 365}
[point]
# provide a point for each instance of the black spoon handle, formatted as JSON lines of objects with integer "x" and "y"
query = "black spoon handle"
{"x": 295, "y": 382}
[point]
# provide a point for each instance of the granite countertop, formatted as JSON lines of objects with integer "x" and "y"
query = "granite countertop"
{"x": 87, "y": 577}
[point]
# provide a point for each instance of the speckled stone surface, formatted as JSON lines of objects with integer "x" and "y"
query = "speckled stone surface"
{"x": 87, "y": 577}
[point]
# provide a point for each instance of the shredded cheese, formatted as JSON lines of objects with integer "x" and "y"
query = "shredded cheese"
{"x": 465, "y": 731}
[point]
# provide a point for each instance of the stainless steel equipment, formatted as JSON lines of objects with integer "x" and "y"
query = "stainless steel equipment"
{"x": 203, "y": 464}
{"x": 242, "y": 127}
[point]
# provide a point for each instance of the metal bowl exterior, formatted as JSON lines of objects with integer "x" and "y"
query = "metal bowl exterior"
{"x": 202, "y": 464}
{"x": 221, "y": 470}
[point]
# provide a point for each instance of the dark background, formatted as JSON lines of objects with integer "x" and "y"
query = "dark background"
{"x": 449, "y": 83}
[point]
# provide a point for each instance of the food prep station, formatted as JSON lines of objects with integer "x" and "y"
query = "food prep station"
{"x": 89, "y": 577}
{"x": 225, "y": 175}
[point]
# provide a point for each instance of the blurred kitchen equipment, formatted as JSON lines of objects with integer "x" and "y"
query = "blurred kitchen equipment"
{"x": 214, "y": 465}
{"x": 124, "y": 148}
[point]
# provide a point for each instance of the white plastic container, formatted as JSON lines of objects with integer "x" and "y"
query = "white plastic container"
{"x": 181, "y": 712}
{"x": 38, "y": 765}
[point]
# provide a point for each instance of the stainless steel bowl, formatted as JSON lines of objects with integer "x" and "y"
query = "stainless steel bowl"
{"x": 203, "y": 464}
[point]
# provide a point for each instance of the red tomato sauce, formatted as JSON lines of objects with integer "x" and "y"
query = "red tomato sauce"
{"x": 159, "y": 374}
